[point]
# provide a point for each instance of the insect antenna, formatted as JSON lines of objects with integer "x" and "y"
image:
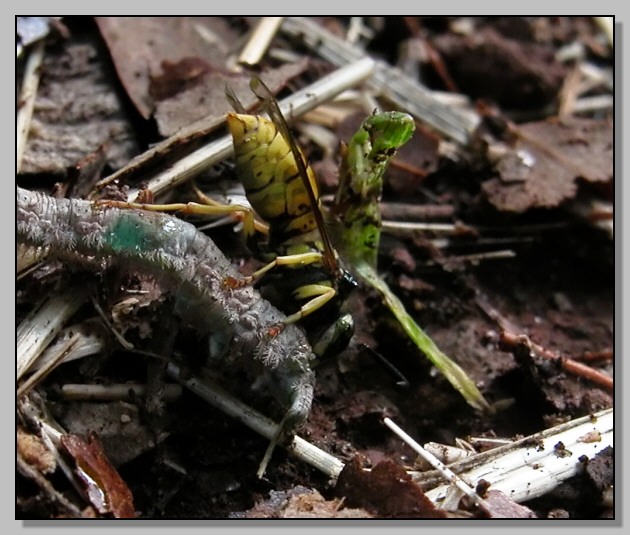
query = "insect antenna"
{"x": 234, "y": 101}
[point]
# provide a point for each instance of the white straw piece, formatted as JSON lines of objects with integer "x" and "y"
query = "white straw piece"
{"x": 211, "y": 392}
{"x": 534, "y": 466}
{"x": 27, "y": 100}
{"x": 42, "y": 325}
{"x": 294, "y": 106}
{"x": 91, "y": 341}
{"x": 115, "y": 392}
{"x": 448, "y": 474}
{"x": 260, "y": 40}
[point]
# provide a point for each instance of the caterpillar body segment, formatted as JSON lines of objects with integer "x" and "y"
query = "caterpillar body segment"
{"x": 193, "y": 269}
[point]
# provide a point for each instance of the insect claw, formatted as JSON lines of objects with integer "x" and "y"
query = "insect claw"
{"x": 275, "y": 330}
{"x": 232, "y": 282}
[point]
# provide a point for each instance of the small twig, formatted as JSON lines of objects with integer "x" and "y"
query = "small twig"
{"x": 219, "y": 398}
{"x": 485, "y": 442}
{"x": 400, "y": 211}
{"x": 532, "y": 466}
{"x": 116, "y": 392}
{"x": 402, "y": 382}
{"x": 297, "y": 104}
{"x": 598, "y": 213}
{"x": 259, "y": 40}
{"x": 431, "y": 54}
{"x": 42, "y": 325}
{"x": 569, "y": 93}
{"x": 409, "y": 168}
{"x": 417, "y": 212}
{"x": 51, "y": 365}
{"x": 447, "y": 473}
{"x": 510, "y": 340}
{"x": 28, "y": 471}
{"x": 27, "y": 99}
{"x": 602, "y": 354}
{"x": 121, "y": 339}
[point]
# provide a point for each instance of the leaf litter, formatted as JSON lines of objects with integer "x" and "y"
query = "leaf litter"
{"x": 354, "y": 391}
{"x": 548, "y": 159}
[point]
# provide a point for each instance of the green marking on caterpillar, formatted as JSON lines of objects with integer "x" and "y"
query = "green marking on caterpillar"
{"x": 130, "y": 233}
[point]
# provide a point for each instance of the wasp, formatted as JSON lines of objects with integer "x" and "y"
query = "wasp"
{"x": 307, "y": 281}
{"x": 304, "y": 276}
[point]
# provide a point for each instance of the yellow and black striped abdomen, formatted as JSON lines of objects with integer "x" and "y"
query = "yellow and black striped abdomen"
{"x": 270, "y": 176}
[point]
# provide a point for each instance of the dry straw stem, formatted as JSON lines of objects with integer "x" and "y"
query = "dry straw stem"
{"x": 67, "y": 347}
{"x": 297, "y": 104}
{"x": 116, "y": 392}
{"x": 461, "y": 485}
{"x": 211, "y": 392}
{"x": 388, "y": 81}
{"x": 27, "y": 100}
{"x": 90, "y": 341}
{"x": 44, "y": 323}
{"x": 532, "y": 466}
{"x": 523, "y": 469}
{"x": 259, "y": 40}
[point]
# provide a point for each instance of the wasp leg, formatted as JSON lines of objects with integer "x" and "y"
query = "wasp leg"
{"x": 302, "y": 259}
{"x": 320, "y": 293}
{"x": 242, "y": 213}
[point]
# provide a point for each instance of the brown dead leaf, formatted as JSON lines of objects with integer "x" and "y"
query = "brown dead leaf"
{"x": 387, "y": 490}
{"x": 122, "y": 431}
{"x": 177, "y": 76}
{"x": 202, "y": 106}
{"x": 542, "y": 168}
{"x": 600, "y": 470}
{"x": 104, "y": 487}
{"x": 497, "y": 505}
{"x": 174, "y": 113}
{"x": 139, "y": 45}
{"x": 514, "y": 74}
{"x": 300, "y": 502}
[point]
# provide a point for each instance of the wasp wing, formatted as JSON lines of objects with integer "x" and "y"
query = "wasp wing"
{"x": 270, "y": 105}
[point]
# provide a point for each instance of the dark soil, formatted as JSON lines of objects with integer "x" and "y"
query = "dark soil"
{"x": 185, "y": 459}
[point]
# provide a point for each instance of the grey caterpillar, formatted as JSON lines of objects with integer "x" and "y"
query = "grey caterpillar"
{"x": 174, "y": 251}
